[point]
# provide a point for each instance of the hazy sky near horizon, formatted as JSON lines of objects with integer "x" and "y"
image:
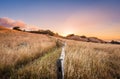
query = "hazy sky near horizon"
{"x": 100, "y": 18}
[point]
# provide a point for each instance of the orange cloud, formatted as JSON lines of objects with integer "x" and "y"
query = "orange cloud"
{"x": 7, "y": 22}
{"x": 19, "y": 23}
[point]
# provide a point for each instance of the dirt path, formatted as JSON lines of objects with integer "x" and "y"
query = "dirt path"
{"x": 41, "y": 68}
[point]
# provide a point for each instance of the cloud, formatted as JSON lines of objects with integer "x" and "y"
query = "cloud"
{"x": 10, "y": 23}
{"x": 31, "y": 27}
{"x": 7, "y": 22}
{"x": 19, "y": 23}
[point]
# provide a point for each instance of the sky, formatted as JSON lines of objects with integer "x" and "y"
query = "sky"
{"x": 98, "y": 18}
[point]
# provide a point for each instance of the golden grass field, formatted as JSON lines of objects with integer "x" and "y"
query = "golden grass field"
{"x": 18, "y": 48}
{"x": 33, "y": 56}
{"x": 92, "y": 61}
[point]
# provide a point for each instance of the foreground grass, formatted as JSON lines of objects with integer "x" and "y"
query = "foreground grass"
{"x": 32, "y": 56}
{"x": 92, "y": 61}
{"x": 82, "y": 61}
{"x": 42, "y": 68}
{"x": 19, "y": 48}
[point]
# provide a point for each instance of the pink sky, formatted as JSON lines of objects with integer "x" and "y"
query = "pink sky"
{"x": 97, "y": 18}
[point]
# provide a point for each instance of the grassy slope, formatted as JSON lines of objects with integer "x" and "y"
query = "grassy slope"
{"x": 83, "y": 60}
{"x": 18, "y": 48}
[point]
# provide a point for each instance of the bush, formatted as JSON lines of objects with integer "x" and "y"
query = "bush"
{"x": 17, "y": 28}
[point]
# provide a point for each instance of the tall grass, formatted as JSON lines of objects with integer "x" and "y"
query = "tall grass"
{"x": 82, "y": 61}
{"x": 19, "y": 48}
{"x": 42, "y": 68}
{"x": 33, "y": 56}
{"x": 92, "y": 61}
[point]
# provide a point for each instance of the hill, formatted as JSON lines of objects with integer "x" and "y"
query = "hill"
{"x": 26, "y": 55}
{"x": 3, "y": 28}
{"x": 18, "y": 48}
{"x": 83, "y": 60}
{"x": 85, "y": 39}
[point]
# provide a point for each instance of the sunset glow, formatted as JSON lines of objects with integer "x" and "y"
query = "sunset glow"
{"x": 99, "y": 18}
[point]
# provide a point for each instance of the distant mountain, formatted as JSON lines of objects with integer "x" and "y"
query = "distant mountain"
{"x": 85, "y": 39}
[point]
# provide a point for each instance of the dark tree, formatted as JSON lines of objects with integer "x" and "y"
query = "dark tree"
{"x": 17, "y": 28}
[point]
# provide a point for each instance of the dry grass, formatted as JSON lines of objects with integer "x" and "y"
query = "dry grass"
{"x": 19, "y": 48}
{"x": 42, "y": 68}
{"x": 83, "y": 61}
{"x": 28, "y": 56}
{"x": 92, "y": 61}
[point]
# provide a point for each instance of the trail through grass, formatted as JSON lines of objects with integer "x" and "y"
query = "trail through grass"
{"x": 82, "y": 61}
{"x": 42, "y": 68}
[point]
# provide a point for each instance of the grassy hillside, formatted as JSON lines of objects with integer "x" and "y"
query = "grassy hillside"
{"x": 34, "y": 56}
{"x": 18, "y": 48}
{"x": 83, "y": 61}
